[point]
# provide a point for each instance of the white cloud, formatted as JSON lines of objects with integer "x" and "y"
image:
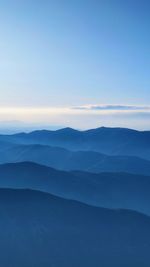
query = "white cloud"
{"x": 112, "y": 107}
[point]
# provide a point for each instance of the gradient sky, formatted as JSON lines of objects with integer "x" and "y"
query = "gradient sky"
{"x": 59, "y": 56}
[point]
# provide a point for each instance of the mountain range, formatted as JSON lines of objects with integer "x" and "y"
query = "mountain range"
{"x": 29, "y": 147}
{"x": 111, "y": 141}
{"x": 75, "y": 198}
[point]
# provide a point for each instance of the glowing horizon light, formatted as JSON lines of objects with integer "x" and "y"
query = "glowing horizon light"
{"x": 97, "y": 109}
{"x": 88, "y": 116}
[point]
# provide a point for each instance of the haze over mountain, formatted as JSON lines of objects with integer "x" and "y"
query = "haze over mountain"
{"x": 63, "y": 159}
{"x": 39, "y": 229}
{"x": 110, "y": 190}
{"x": 111, "y": 141}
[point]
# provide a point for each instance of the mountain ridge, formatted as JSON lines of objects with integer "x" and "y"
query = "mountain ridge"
{"x": 111, "y": 141}
{"x": 39, "y": 229}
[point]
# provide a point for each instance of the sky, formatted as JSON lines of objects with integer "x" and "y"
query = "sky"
{"x": 77, "y": 63}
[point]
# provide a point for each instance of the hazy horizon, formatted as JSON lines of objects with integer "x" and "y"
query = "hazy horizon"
{"x": 8, "y": 127}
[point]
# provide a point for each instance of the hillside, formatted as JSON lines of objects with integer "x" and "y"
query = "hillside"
{"x": 39, "y": 229}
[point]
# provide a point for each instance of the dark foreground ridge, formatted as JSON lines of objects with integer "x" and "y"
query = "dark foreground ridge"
{"x": 42, "y": 230}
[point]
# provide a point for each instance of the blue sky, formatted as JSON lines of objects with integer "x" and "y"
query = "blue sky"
{"x": 60, "y": 54}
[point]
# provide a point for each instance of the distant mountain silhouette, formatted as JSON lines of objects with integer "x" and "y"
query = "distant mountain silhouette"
{"x": 38, "y": 229}
{"x": 112, "y": 141}
{"x": 63, "y": 159}
{"x": 109, "y": 190}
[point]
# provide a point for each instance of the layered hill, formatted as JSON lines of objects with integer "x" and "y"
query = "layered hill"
{"x": 109, "y": 190}
{"x": 63, "y": 159}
